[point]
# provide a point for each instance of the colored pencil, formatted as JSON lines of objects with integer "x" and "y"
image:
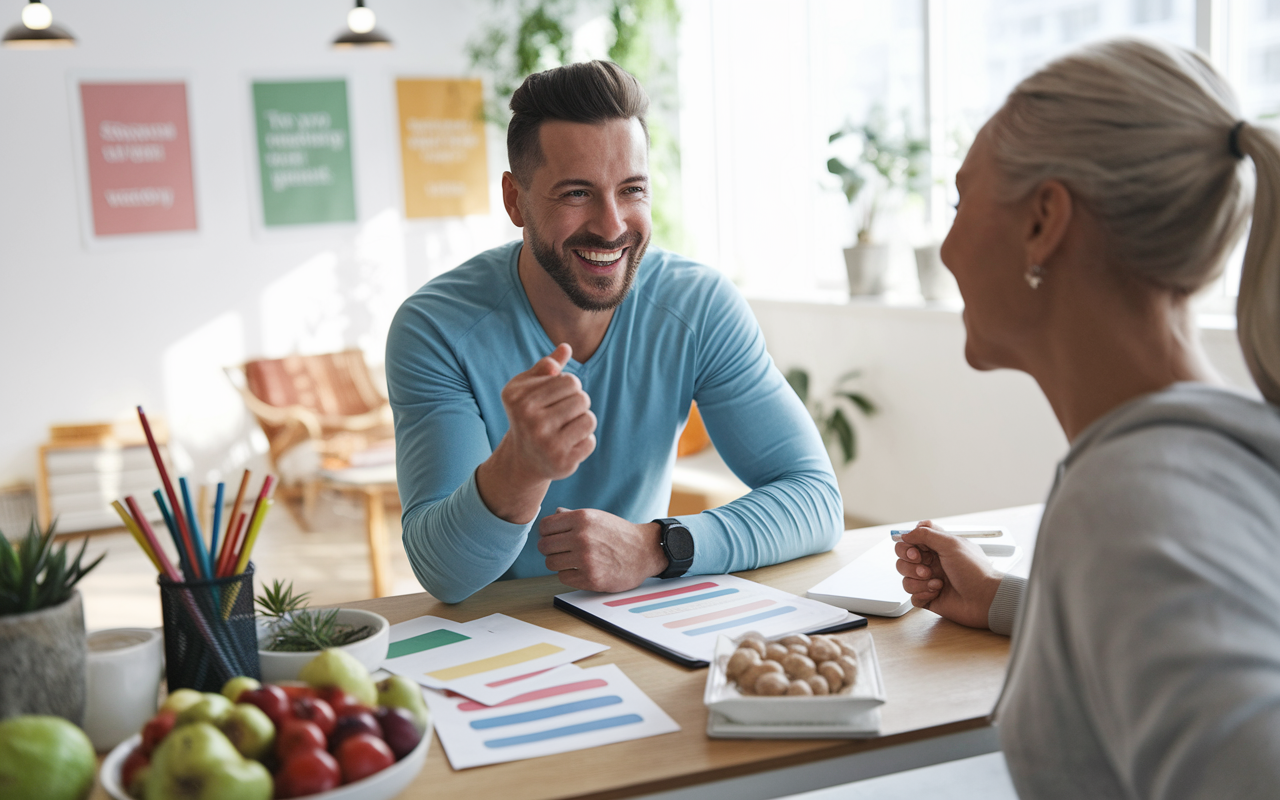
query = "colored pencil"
{"x": 251, "y": 538}
{"x": 267, "y": 484}
{"x": 165, "y": 564}
{"x": 217, "y": 519}
{"x": 168, "y": 489}
{"x": 241, "y": 523}
{"x": 202, "y": 552}
{"x": 137, "y": 534}
{"x": 233, "y": 526}
{"x": 184, "y": 558}
{"x": 202, "y": 508}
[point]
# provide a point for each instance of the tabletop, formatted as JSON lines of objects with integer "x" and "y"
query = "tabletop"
{"x": 940, "y": 678}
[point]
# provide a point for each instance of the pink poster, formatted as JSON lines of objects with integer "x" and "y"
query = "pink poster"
{"x": 139, "y": 151}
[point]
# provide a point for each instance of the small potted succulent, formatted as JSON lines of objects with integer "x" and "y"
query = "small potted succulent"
{"x": 42, "y": 636}
{"x": 290, "y": 634}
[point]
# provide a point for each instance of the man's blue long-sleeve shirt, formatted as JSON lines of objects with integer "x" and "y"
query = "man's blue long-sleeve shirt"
{"x": 682, "y": 334}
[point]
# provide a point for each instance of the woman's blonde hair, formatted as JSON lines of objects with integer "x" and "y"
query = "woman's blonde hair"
{"x": 1142, "y": 133}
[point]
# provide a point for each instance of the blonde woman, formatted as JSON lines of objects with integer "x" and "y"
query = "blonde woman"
{"x": 1106, "y": 191}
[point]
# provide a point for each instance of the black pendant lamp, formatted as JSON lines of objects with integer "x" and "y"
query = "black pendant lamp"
{"x": 360, "y": 31}
{"x": 37, "y": 29}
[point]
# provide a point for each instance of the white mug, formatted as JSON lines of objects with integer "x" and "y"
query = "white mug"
{"x": 124, "y": 669}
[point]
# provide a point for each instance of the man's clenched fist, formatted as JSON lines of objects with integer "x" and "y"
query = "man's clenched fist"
{"x": 550, "y": 431}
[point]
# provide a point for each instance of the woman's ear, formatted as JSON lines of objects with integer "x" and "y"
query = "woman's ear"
{"x": 1052, "y": 207}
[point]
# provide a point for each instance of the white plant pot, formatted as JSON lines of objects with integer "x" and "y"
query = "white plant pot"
{"x": 867, "y": 265}
{"x": 936, "y": 281}
{"x": 371, "y": 651}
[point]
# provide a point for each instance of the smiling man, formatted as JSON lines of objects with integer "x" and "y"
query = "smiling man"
{"x": 539, "y": 388}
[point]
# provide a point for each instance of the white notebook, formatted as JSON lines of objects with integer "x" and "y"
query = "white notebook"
{"x": 870, "y": 584}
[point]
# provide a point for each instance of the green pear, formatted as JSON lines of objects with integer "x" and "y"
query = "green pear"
{"x": 211, "y": 708}
{"x": 250, "y": 730}
{"x": 44, "y": 758}
{"x": 339, "y": 668}
{"x": 181, "y": 699}
{"x": 237, "y": 686}
{"x": 196, "y": 762}
{"x": 400, "y": 692}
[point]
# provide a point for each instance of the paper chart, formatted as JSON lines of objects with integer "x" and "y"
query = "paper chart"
{"x": 482, "y": 659}
{"x": 567, "y": 709}
{"x": 685, "y": 614}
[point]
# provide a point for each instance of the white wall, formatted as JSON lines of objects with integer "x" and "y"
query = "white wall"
{"x": 948, "y": 439}
{"x": 87, "y": 334}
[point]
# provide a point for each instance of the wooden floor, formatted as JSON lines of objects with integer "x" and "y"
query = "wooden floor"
{"x": 331, "y": 562}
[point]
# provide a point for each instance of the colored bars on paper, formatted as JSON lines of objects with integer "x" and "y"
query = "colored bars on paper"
{"x": 640, "y": 598}
{"x": 721, "y": 614}
{"x": 548, "y": 712}
{"x": 733, "y": 623}
{"x": 512, "y": 658}
{"x": 682, "y": 601}
{"x": 539, "y": 694}
{"x": 569, "y": 730}
{"x": 424, "y": 641}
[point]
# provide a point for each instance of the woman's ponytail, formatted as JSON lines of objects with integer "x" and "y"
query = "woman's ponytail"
{"x": 1258, "y": 305}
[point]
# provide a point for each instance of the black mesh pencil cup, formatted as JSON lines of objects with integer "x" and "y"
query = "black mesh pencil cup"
{"x": 209, "y": 631}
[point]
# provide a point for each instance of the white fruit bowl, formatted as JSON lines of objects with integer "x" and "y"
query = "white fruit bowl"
{"x": 382, "y": 785}
{"x": 370, "y": 651}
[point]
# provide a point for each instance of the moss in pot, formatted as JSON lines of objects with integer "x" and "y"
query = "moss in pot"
{"x": 290, "y": 634}
{"x": 42, "y": 627}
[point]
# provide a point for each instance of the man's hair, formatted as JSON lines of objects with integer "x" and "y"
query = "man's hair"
{"x": 590, "y": 92}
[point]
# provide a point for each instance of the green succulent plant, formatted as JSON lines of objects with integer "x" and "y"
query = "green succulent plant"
{"x": 35, "y": 574}
{"x": 299, "y": 630}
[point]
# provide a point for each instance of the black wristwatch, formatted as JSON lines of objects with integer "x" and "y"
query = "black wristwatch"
{"x": 677, "y": 544}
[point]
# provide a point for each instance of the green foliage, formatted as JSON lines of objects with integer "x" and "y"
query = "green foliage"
{"x": 894, "y": 162}
{"x": 836, "y": 425}
{"x": 35, "y": 575}
{"x": 298, "y": 630}
{"x": 535, "y": 35}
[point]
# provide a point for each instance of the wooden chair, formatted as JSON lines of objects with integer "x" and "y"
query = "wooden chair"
{"x": 332, "y": 402}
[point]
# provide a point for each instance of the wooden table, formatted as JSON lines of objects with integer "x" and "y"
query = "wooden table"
{"x": 941, "y": 679}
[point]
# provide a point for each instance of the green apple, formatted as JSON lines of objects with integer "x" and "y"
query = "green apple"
{"x": 180, "y": 699}
{"x": 196, "y": 762}
{"x": 211, "y": 708}
{"x": 250, "y": 730}
{"x": 400, "y": 692}
{"x": 44, "y": 758}
{"x": 339, "y": 668}
{"x": 237, "y": 686}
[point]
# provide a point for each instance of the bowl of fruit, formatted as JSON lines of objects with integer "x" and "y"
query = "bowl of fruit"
{"x": 334, "y": 735}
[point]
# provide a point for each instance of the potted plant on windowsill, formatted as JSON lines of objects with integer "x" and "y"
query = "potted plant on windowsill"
{"x": 42, "y": 669}
{"x": 889, "y": 165}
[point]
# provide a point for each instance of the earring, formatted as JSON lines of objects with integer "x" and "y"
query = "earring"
{"x": 1034, "y": 276}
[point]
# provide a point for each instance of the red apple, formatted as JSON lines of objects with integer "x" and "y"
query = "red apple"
{"x": 341, "y": 702}
{"x": 317, "y": 711}
{"x": 361, "y": 754}
{"x": 272, "y": 700}
{"x": 297, "y": 689}
{"x": 298, "y": 734}
{"x": 307, "y": 771}
{"x": 156, "y": 729}
{"x": 132, "y": 765}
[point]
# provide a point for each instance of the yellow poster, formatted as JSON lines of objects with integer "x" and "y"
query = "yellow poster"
{"x": 442, "y": 147}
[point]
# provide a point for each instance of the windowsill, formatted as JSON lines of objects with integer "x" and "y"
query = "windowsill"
{"x": 910, "y": 301}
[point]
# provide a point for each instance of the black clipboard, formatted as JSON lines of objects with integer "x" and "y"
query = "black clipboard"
{"x": 681, "y": 659}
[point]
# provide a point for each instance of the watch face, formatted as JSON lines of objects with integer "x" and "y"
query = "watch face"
{"x": 679, "y": 543}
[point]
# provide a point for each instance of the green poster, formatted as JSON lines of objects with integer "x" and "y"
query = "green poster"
{"x": 304, "y": 152}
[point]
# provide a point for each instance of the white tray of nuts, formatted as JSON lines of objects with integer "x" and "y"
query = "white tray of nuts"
{"x": 794, "y": 680}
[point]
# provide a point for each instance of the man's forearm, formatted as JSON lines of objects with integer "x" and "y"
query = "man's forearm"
{"x": 508, "y": 492}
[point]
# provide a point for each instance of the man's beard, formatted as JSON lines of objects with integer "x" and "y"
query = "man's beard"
{"x": 566, "y": 278}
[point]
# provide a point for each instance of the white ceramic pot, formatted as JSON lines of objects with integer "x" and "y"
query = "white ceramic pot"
{"x": 371, "y": 651}
{"x": 936, "y": 281}
{"x": 867, "y": 265}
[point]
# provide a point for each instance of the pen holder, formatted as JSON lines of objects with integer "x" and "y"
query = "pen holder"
{"x": 209, "y": 631}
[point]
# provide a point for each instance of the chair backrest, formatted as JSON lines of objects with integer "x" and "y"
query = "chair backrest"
{"x": 330, "y": 384}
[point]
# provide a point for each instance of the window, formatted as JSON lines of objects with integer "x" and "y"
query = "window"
{"x": 766, "y": 83}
